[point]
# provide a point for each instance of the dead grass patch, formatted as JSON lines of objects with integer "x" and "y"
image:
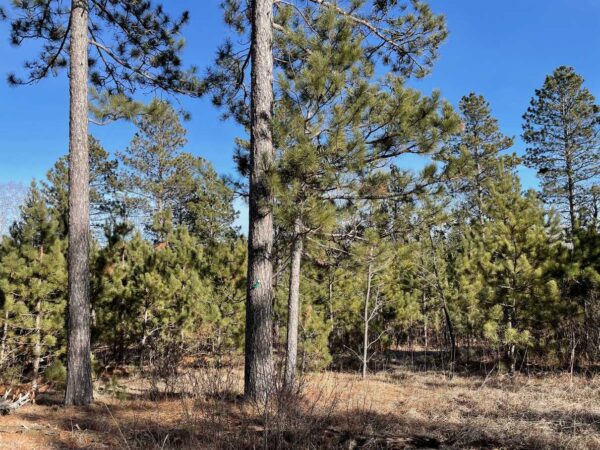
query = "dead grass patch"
{"x": 335, "y": 410}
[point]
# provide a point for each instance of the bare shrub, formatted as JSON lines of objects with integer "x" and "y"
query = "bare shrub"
{"x": 160, "y": 367}
{"x": 298, "y": 419}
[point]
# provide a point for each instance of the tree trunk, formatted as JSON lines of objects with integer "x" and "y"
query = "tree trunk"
{"x": 510, "y": 350}
{"x": 366, "y": 319}
{"x": 452, "y": 337}
{"x": 571, "y": 189}
{"x": 570, "y": 182}
{"x": 293, "y": 306}
{"x": 144, "y": 336}
{"x": 37, "y": 343}
{"x": 258, "y": 370}
{"x": 510, "y": 360}
{"x": 425, "y": 323}
{"x": 37, "y": 346}
{"x": 479, "y": 188}
{"x": 573, "y": 346}
{"x": 4, "y": 337}
{"x": 79, "y": 370}
{"x": 331, "y": 279}
{"x": 586, "y": 323}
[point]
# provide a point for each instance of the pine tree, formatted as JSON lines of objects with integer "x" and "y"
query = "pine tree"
{"x": 579, "y": 316}
{"x": 113, "y": 303}
{"x": 422, "y": 273}
{"x": 405, "y": 38}
{"x": 589, "y": 212}
{"x": 562, "y": 128}
{"x": 106, "y": 202}
{"x": 145, "y": 55}
{"x": 173, "y": 298}
{"x": 164, "y": 187}
{"x": 258, "y": 375}
{"x": 311, "y": 156}
{"x": 79, "y": 380}
{"x": 361, "y": 296}
{"x": 225, "y": 271}
{"x": 205, "y": 203}
{"x": 33, "y": 280}
{"x": 321, "y": 151}
{"x": 375, "y": 257}
{"x": 513, "y": 253}
{"x": 148, "y": 295}
{"x": 472, "y": 156}
{"x": 151, "y": 164}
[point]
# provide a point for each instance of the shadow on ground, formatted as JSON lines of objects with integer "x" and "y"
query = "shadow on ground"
{"x": 230, "y": 424}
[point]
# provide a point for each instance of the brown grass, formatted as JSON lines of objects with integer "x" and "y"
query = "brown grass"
{"x": 388, "y": 411}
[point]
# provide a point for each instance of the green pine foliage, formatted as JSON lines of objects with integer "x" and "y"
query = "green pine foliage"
{"x": 511, "y": 258}
{"x": 33, "y": 288}
{"x": 172, "y": 292}
{"x": 106, "y": 203}
{"x": 165, "y": 187}
{"x": 472, "y": 155}
{"x": 561, "y": 127}
{"x": 132, "y": 45}
{"x": 454, "y": 258}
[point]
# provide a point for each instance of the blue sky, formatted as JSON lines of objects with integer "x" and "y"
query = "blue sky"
{"x": 501, "y": 49}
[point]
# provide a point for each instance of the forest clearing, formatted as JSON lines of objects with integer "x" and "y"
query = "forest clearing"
{"x": 396, "y": 409}
{"x": 299, "y": 224}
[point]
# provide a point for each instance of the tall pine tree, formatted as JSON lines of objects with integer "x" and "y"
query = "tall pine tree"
{"x": 404, "y": 36}
{"x": 33, "y": 283}
{"x": 472, "y": 156}
{"x": 132, "y": 44}
{"x": 562, "y": 130}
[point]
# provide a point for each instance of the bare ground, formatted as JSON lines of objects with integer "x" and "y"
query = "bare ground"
{"x": 388, "y": 411}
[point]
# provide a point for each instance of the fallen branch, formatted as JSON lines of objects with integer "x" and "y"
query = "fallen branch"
{"x": 9, "y": 405}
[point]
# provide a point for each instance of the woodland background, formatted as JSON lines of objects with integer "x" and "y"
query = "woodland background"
{"x": 454, "y": 267}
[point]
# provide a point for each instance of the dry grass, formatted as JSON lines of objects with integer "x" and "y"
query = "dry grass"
{"x": 390, "y": 410}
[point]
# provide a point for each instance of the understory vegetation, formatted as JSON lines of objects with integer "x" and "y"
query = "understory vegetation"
{"x": 467, "y": 263}
{"x": 400, "y": 408}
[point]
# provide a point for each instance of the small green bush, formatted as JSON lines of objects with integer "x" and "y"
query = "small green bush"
{"x": 56, "y": 373}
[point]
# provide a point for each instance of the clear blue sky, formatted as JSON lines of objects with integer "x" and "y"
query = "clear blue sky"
{"x": 501, "y": 49}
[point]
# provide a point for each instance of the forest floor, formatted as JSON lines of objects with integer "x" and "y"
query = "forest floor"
{"x": 397, "y": 409}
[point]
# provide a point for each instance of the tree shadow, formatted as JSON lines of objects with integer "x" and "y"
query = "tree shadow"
{"x": 223, "y": 424}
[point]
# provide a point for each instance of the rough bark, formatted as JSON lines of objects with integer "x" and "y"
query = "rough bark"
{"x": 37, "y": 346}
{"x": 79, "y": 372}
{"x": 425, "y": 323}
{"x": 293, "y": 306}
{"x": 258, "y": 370}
